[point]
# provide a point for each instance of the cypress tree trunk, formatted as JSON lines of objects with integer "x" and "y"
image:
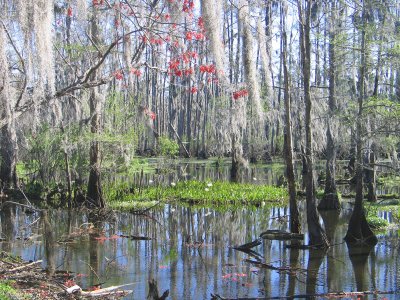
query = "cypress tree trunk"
{"x": 8, "y": 146}
{"x": 359, "y": 231}
{"x": 317, "y": 234}
{"x": 94, "y": 192}
{"x": 330, "y": 199}
{"x": 295, "y": 225}
{"x": 8, "y": 155}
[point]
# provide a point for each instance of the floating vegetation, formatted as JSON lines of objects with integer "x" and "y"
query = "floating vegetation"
{"x": 197, "y": 192}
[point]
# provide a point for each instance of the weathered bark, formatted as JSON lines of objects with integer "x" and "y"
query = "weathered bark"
{"x": 370, "y": 173}
{"x": 9, "y": 146}
{"x": 317, "y": 234}
{"x": 94, "y": 192}
{"x": 359, "y": 231}
{"x": 8, "y": 155}
{"x": 295, "y": 226}
{"x": 330, "y": 199}
{"x": 235, "y": 160}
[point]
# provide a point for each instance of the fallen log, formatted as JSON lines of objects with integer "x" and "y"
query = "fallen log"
{"x": 24, "y": 266}
{"x": 136, "y": 237}
{"x": 267, "y": 266}
{"x": 109, "y": 291}
{"x": 280, "y": 235}
{"x": 248, "y": 246}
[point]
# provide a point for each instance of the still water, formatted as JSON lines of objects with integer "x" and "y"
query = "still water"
{"x": 190, "y": 252}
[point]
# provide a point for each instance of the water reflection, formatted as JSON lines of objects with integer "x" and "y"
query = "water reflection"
{"x": 191, "y": 255}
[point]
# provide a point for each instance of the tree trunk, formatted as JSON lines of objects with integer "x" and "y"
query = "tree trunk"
{"x": 359, "y": 231}
{"x": 94, "y": 192}
{"x": 317, "y": 234}
{"x": 330, "y": 199}
{"x": 8, "y": 146}
{"x": 295, "y": 226}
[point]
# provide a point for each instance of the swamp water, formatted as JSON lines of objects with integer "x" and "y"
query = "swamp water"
{"x": 190, "y": 252}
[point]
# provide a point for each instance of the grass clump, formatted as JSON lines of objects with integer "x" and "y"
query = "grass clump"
{"x": 197, "y": 192}
{"x": 377, "y": 223}
{"x": 7, "y": 291}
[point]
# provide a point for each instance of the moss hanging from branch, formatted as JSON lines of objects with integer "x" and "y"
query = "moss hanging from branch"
{"x": 212, "y": 25}
{"x": 249, "y": 63}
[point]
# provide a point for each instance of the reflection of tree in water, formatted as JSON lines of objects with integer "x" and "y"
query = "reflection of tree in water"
{"x": 359, "y": 257}
{"x": 294, "y": 260}
{"x": 97, "y": 221}
{"x": 315, "y": 258}
{"x": 331, "y": 221}
{"x": 49, "y": 243}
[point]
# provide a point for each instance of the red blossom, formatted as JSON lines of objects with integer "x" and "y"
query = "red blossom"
{"x": 193, "y": 90}
{"x": 200, "y": 36}
{"x": 239, "y": 94}
{"x": 167, "y": 17}
{"x": 174, "y": 64}
{"x": 69, "y": 11}
{"x": 188, "y": 71}
{"x": 189, "y": 35}
{"x": 200, "y": 23}
{"x": 118, "y": 75}
{"x": 136, "y": 72}
{"x": 207, "y": 69}
{"x": 97, "y": 2}
{"x": 178, "y": 73}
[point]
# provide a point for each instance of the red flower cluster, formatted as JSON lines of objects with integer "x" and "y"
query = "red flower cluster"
{"x": 193, "y": 90}
{"x": 192, "y": 35}
{"x": 155, "y": 41}
{"x": 200, "y": 23}
{"x": 174, "y": 64}
{"x": 186, "y": 56}
{"x": 239, "y": 94}
{"x": 136, "y": 72}
{"x": 97, "y": 2}
{"x": 118, "y": 75}
{"x": 207, "y": 69}
{"x": 188, "y": 6}
{"x": 69, "y": 11}
{"x": 167, "y": 17}
{"x": 151, "y": 114}
{"x": 188, "y": 71}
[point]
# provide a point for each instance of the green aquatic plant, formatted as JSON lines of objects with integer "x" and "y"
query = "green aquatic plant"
{"x": 198, "y": 192}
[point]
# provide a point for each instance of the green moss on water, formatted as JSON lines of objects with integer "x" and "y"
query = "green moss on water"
{"x": 202, "y": 193}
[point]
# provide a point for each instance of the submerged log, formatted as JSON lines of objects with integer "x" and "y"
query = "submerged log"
{"x": 136, "y": 237}
{"x": 281, "y": 235}
{"x": 248, "y": 246}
